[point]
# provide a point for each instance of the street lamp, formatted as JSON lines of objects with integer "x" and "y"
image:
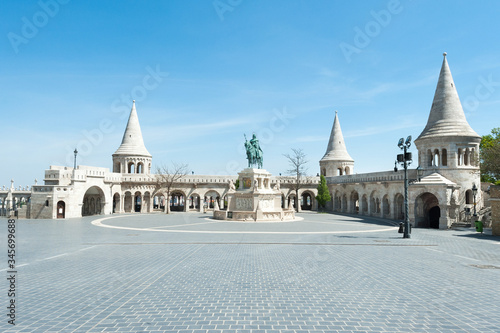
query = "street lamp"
{"x": 76, "y": 153}
{"x": 474, "y": 192}
{"x": 405, "y": 160}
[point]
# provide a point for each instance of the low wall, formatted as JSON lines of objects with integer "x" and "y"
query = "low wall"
{"x": 495, "y": 209}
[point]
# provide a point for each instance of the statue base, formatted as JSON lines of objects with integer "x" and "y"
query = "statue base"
{"x": 255, "y": 200}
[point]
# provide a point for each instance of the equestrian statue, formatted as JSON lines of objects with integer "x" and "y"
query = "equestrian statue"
{"x": 254, "y": 152}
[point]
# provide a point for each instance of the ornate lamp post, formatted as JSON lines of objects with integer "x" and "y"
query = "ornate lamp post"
{"x": 474, "y": 192}
{"x": 76, "y": 153}
{"x": 405, "y": 160}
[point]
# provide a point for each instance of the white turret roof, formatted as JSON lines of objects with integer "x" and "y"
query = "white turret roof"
{"x": 336, "y": 150}
{"x": 132, "y": 142}
{"x": 447, "y": 117}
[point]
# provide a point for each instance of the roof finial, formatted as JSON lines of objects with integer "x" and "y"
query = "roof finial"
{"x": 336, "y": 111}
{"x": 444, "y": 54}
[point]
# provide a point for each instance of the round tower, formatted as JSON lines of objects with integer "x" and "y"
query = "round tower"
{"x": 336, "y": 161}
{"x": 132, "y": 155}
{"x": 448, "y": 145}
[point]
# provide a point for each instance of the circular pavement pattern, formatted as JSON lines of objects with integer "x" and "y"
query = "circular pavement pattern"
{"x": 310, "y": 223}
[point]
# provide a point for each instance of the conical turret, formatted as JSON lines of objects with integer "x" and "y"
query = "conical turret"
{"x": 132, "y": 155}
{"x": 447, "y": 117}
{"x": 132, "y": 142}
{"x": 336, "y": 160}
{"x": 447, "y": 142}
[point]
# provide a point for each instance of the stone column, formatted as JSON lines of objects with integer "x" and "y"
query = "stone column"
{"x": 443, "y": 219}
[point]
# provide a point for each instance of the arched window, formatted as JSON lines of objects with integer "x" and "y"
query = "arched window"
{"x": 118, "y": 167}
{"x": 460, "y": 157}
{"x": 466, "y": 156}
{"x": 468, "y": 197}
{"x": 444, "y": 157}
{"x": 323, "y": 172}
{"x": 347, "y": 171}
{"x": 435, "y": 156}
{"x": 131, "y": 167}
{"x": 339, "y": 172}
{"x": 140, "y": 168}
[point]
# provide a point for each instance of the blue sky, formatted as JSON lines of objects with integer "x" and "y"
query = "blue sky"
{"x": 205, "y": 72}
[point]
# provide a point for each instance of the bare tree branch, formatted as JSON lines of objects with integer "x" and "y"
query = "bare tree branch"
{"x": 297, "y": 161}
{"x": 167, "y": 177}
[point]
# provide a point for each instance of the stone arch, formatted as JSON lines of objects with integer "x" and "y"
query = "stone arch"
{"x": 386, "y": 206}
{"x": 147, "y": 202}
{"x": 116, "y": 202}
{"x": 364, "y": 205}
{"x": 292, "y": 200}
{"x": 194, "y": 201}
{"x": 354, "y": 202}
{"x": 469, "y": 200}
{"x": 323, "y": 171}
{"x": 177, "y": 201}
{"x": 436, "y": 158}
{"x": 61, "y": 209}
{"x": 399, "y": 209}
{"x": 210, "y": 197}
{"x": 427, "y": 211}
{"x": 137, "y": 202}
{"x": 131, "y": 167}
{"x": 93, "y": 201}
{"x": 159, "y": 201}
{"x": 347, "y": 170}
{"x": 444, "y": 157}
{"x": 128, "y": 202}
{"x": 306, "y": 200}
{"x": 374, "y": 203}
{"x": 140, "y": 167}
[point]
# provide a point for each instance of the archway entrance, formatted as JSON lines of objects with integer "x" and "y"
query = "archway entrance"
{"x": 427, "y": 211}
{"x": 354, "y": 202}
{"x": 116, "y": 202}
{"x": 177, "y": 202}
{"x": 211, "y": 197}
{"x": 434, "y": 215}
{"x": 93, "y": 202}
{"x": 137, "y": 202}
{"x": 61, "y": 209}
{"x": 194, "y": 202}
{"x": 307, "y": 201}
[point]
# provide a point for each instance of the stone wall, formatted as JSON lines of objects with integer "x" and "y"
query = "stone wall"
{"x": 495, "y": 209}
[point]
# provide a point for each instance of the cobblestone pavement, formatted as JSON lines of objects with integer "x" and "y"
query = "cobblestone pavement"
{"x": 186, "y": 273}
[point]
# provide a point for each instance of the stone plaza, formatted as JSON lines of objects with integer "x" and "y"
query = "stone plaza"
{"x": 190, "y": 273}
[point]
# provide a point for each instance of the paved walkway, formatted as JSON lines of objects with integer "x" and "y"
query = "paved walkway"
{"x": 186, "y": 273}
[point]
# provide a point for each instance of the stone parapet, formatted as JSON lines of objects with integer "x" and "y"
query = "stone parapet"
{"x": 495, "y": 209}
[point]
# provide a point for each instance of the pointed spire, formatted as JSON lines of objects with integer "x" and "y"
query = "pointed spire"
{"x": 447, "y": 117}
{"x": 336, "y": 147}
{"x": 132, "y": 142}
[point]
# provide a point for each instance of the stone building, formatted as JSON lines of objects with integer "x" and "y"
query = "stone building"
{"x": 440, "y": 190}
{"x": 132, "y": 188}
{"x": 439, "y": 194}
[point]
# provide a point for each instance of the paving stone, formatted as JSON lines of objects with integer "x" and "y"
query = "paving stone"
{"x": 83, "y": 278}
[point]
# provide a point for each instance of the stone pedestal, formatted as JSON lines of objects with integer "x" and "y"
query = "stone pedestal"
{"x": 254, "y": 200}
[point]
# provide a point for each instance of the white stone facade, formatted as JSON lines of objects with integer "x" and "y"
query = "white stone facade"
{"x": 447, "y": 158}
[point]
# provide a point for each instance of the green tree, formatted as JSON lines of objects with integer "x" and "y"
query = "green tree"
{"x": 490, "y": 156}
{"x": 323, "y": 192}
